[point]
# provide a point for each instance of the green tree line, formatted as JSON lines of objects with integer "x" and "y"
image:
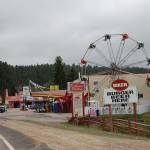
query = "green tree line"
{"x": 15, "y": 77}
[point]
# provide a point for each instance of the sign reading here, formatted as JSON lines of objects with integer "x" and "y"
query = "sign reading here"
{"x": 112, "y": 96}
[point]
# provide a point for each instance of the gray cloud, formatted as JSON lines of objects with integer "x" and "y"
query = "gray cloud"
{"x": 36, "y": 31}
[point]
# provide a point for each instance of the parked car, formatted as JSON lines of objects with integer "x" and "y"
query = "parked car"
{"x": 31, "y": 106}
{"x": 2, "y": 109}
{"x": 40, "y": 109}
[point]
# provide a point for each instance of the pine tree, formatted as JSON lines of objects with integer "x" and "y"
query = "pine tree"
{"x": 73, "y": 74}
{"x": 59, "y": 73}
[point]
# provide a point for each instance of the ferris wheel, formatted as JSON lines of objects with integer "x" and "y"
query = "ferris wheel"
{"x": 116, "y": 56}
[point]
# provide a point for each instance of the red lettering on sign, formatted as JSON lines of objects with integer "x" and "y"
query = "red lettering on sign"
{"x": 120, "y": 84}
{"x": 77, "y": 87}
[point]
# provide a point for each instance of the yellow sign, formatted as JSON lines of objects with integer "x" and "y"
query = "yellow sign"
{"x": 54, "y": 87}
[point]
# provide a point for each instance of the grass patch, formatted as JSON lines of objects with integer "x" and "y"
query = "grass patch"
{"x": 34, "y": 122}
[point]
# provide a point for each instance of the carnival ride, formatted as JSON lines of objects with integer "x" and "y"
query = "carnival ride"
{"x": 116, "y": 56}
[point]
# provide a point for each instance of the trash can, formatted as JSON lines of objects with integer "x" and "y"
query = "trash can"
{"x": 97, "y": 112}
{"x": 56, "y": 108}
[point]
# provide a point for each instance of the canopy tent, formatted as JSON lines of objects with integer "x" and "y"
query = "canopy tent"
{"x": 58, "y": 94}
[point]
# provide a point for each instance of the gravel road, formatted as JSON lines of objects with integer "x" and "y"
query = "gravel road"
{"x": 60, "y": 139}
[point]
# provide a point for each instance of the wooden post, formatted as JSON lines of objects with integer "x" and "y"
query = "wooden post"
{"x": 103, "y": 123}
{"x": 110, "y": 118}
{"x": 83, "y": 123}
{"x": 129, "y": 126}
{"x": 89, "y": 121}
{"x": 88, "y": 91}
{"x": 83, "y": 104}
{"x": 72, "y": 105}
{"x": 135, "y": 117}
{"x": 135, "y": 114}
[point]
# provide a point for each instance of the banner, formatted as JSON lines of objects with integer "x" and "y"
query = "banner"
{"x": 26, "y": 91}
{"x": 77, "y": 104}
{"x": 112, "y": 96}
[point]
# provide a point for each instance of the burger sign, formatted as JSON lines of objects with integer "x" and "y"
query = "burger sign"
{"x": 120, "y": 92}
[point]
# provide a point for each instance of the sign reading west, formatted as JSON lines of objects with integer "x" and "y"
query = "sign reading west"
{"x": 76, "y": 87}
{"x": 128, "y": 95}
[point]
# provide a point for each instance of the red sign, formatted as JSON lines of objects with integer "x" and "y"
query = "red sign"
{"x": 120, "y": 84}
{"x": 77, "y": 87}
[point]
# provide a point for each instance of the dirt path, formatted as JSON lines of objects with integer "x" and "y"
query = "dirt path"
{"x": 64, "y": 140}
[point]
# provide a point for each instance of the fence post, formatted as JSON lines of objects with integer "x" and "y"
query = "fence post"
{"x": 75, "y": 120}
{"x": 100, "y": 123}
{"x": 135, "y": 118}
{"x": 110, "y": 118}
{"x": 83, "y": 123}
{"x": 103, "y": 123}
{"x": 129, "y": 126}
{"x": 89, "y": 121}
{"x": 148, "y": 134}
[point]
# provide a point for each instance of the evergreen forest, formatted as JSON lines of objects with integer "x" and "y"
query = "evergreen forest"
{"x": 59, "y": 73}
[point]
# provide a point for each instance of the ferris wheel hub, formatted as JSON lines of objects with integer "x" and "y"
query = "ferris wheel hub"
{"x": 114, "y": 67}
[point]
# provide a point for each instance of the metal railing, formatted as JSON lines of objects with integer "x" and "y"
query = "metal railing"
{"x": 125, "y": 110}
{"x": 119, "y": 110}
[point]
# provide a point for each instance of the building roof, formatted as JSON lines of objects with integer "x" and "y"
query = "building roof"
{"x": 52, "y": 94}
{"x": 17, "y": 97}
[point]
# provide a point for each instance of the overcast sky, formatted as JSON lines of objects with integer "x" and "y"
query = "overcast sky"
{"x": 36, "y": 31}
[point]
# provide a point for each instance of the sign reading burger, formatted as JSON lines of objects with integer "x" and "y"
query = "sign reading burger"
{"x": 120, "y": 93}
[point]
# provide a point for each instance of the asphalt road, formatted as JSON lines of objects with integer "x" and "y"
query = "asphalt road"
{"x": 3, "y": 146}
{"x": 20, "y": 141}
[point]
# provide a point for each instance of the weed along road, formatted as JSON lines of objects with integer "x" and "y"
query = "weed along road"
{"x": 28, "y": 130}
